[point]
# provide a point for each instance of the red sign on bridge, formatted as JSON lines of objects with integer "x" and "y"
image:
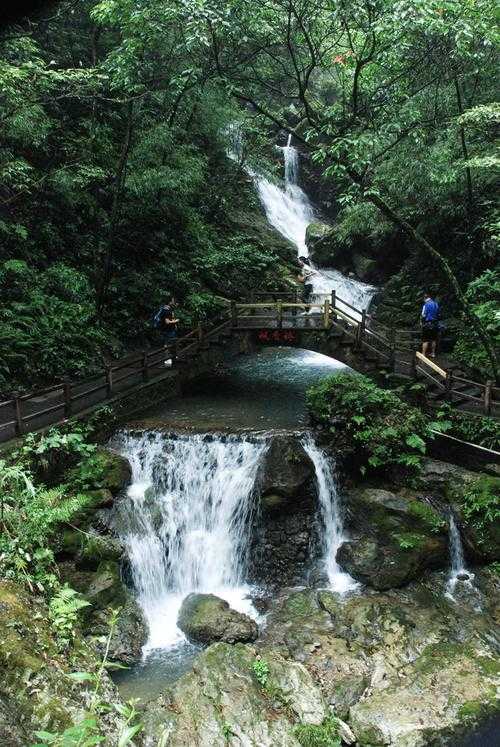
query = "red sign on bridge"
{"x": 276, "y": 336}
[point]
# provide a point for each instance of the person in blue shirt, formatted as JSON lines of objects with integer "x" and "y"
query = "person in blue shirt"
{"x": 430, "y": 325}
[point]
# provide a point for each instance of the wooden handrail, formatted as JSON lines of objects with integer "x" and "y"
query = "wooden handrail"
{"x": 431, "y": 364}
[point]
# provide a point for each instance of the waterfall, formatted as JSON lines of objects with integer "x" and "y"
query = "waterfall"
{"x": 458, "y": 570}
{"x": 185, "y": 522}
{"x": 289, "y": 210}
{"x": 331, "y": 515}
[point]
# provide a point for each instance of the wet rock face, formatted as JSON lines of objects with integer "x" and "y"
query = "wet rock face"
{"x": 394, "y": 537}
{"x": 283, "y": 537}
{"x": 205, "y": 618}
{"x": 233, "y": 696}
{"x": 283, "y": 548}
{"x": 406, "y": 668}
{"x": 286, "y": 473}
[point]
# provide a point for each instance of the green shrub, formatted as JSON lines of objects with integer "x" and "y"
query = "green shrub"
{"x": 260, "y": 669}
{"x": 481, "y": 505}
{"x": 374, "y": 423}
{"x": 322, "y": 735}
{"x": 475, "y": 429}
{"x": 482, "y": 293}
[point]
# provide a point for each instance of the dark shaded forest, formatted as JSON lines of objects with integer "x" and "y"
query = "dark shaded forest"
{"x": 117, "y": 189}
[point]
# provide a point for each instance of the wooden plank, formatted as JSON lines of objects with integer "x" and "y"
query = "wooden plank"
{"x": 431, "y": 364}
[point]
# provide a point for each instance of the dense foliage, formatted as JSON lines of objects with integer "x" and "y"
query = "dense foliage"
{"x": 117, "y": 188}
{"x": 378, "y": 428}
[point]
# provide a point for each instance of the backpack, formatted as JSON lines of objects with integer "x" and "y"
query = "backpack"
{"x": 158, "y": 318}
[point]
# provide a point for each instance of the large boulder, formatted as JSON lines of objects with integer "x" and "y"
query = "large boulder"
{"x": 102, "y": 470}
{"x": 36, "y": 691}
{"x": 234, "y": 696}
{"x": 286, "y": 473}
{"x": 205, "y": 618}
{"x": 377, "y": 655}
{"x": 324, "y": 248}
{"x": 394, "y": 537}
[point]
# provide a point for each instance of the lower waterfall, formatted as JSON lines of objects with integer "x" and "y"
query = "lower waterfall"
{"x": 185, "y": 522}
{"x": 333, "y": 534}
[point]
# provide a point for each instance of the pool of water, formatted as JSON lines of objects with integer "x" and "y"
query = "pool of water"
{"x": 257, "y": 392}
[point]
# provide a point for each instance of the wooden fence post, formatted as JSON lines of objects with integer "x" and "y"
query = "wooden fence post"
{"x": 109, "y": 380}
{"x": 449, "y": 385}
{"x": 19, "y": 417}
{"x": 67, "y": 399}
{"x": 145, "y": 366}
{"x": 487, "y": 397}
{"x": 279, "y": 312}
{"x": 392, "y": 349}
{"x": 173, "y": 351}
{"x": 334, "y": 305}
{"x": 413, "y": 366}
{"x": 326, "y": 313}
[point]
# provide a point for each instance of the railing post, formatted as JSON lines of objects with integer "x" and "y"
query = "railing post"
{"x": 413, "y": 365}
{"x": 173, "y": 351}
{"x": 487, "y": 397}
{"x": 234, "y": 314}
{"x": 145, "y": 366}
{"x": 334, "y": 305}
{"x": 279, "y": 311}
{"x": 67, "y": 399}
{"x": 448, "y": 383}
{"x": 19, "y": 417}
{"x": 326, "y": 313}
{"x": 109, "y": 380}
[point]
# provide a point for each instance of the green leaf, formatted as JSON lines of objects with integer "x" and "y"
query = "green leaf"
{"x": 82, "y": 676}
{"x": 415, "y": 442}
{"x": 127, "y": 734}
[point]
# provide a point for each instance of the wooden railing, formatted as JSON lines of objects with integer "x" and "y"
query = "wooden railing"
{"x": 63, "y": 400}
{"x": 392, "y": 346}
{"x": 386, "y": 344}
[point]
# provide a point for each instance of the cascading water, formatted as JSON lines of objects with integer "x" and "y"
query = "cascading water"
{"x": 331, "y": 515}
{"x": 458, "y": 570}
{"x": 287, "y": 210}
{"x": 290, "y": 211}
{"x": 185, "y": 522}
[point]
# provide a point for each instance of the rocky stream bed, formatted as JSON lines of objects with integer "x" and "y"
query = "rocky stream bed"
{"x": 395, "y": 661}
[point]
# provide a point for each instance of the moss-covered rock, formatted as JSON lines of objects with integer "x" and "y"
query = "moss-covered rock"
{"x": 88, "y": 548}
{"x": 396, "y": 536}
{"x": 223, "y": 701}
{"x": 205, "y": 618}
{"x": 102, "y": 470}
{"x": 35, "y": 690}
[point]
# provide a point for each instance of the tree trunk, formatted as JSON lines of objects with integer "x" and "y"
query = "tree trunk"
{"x": 115, "y": 210}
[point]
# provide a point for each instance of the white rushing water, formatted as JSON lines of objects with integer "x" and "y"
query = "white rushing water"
{"x": 458, "y": 571}
{"x": 331, "y": 514}
{"x": 289, "y": 211}
{"x": 185, "y": 523}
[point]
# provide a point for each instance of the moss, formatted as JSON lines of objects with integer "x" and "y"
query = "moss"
{"x": 427, "y": 515}
{"x": 490, "y": 667}
{"x": 472, "y": 709}
{"x": 437, "y": 654}
{"x": 322, "y": 735}
{"x": 301, "y": 604}
{"x": 410, "y": 540}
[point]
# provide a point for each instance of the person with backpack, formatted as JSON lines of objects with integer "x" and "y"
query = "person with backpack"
{"x": 306, "y": 276}
{"x": 166, "y": 322}
{"x": 430, "y": 325}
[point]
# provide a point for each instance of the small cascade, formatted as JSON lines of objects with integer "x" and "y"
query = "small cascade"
{"x": 185, "y": 522}
{"x": 458, "y": 571}
{"x": 331, "y": 515}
